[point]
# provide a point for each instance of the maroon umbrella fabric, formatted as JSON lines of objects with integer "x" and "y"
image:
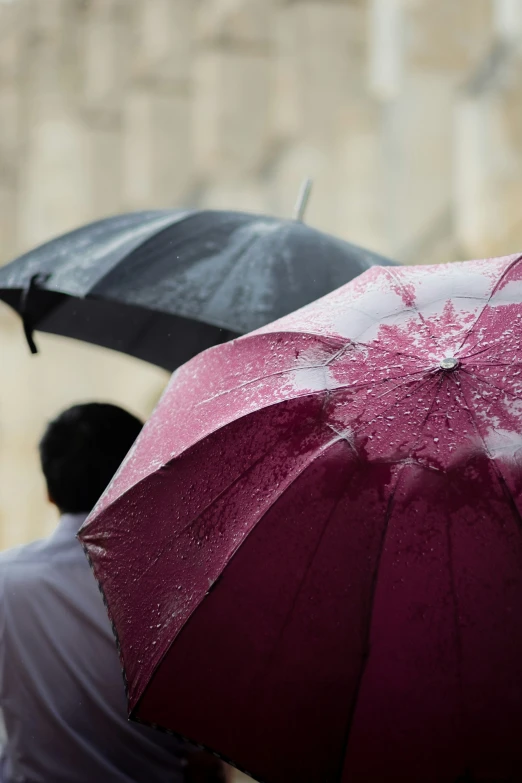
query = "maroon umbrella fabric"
{"x": 312, "y": 557}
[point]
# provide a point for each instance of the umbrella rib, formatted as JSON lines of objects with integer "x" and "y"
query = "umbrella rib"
{"x": 499, "y": 343}
{"x": 321, "y": 449}
{"x": 172, "y": 220}
{"x": 278, "y": 374}
{"x": 391, "y": 407}
{"x": 400, "y": 385}
{"x": 494, "y": 344}
{"x": 347, "y": 341}
{"x": 368, "y": 625}
{"x": 339, "y": 354}
{"x": 440, "y": 380}
{"x": 488, "y": 402}
{"x": 497, "y": 364}
{"x": 496, "y": 287}
{"x": 377, "y": 347}
{"x": 375, "y": 320}
{"x": 214, "y": 500}
{"x": 231, "y": 485}
{"x": 387, "y": 380}
{"x": 235, "y": 263}
{"x": 329, "y": 363}
{"x": 488, "y": 383}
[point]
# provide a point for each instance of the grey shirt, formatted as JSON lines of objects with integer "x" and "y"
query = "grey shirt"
{"x": 61, "y": 690}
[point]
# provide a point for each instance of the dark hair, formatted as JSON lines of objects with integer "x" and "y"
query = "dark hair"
{"x": 81, "y": 451}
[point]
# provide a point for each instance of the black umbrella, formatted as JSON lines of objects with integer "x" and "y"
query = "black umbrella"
{"x": 165, "y": 285}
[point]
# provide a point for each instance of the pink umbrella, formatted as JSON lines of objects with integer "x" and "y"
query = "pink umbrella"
{"x": 313, "y": 555}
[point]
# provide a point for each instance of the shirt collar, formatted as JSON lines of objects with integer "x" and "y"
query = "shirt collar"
{"x": 69, "y": 525}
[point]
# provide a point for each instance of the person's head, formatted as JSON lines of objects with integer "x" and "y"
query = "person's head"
{"x": 81, "y": 451}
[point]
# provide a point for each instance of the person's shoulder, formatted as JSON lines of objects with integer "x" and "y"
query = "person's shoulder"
{"x": 21, "y": 567}
{"x": 22, "y": 555}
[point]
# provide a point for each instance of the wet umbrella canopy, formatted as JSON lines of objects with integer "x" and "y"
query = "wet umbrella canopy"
{"x": 313, "y": 555}
{"x": 165, "y": 285}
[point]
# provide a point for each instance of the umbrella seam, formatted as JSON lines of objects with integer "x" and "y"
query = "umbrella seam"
{"x": 76, "y": 231}
{"x": 495, "y": 288}
{"x": 488, "y": 347}
{"x": 413, "y": 306}
{"x": 235, "y": 262}
{"x": 495, "y": 364}
{"x": 216, "y": 499}
{"x": 273, "y": 375}
{"x": 367, "y": 629}
{"x": 312, "y": 558}
{"x": 366, "y": 422}
{"x": 173, "y": 221}
{"x": 375, "y": 345}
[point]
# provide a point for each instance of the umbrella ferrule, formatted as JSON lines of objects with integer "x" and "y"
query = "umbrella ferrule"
{"x": 449, "y": 363}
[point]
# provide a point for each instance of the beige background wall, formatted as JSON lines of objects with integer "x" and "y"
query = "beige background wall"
{"x": 408, "y": 114}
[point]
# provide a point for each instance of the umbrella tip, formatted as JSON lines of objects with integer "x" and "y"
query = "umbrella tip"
{"x": 302, "y": 199}
{"x": 449, "y": 363}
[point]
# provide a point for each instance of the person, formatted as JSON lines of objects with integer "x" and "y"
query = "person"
{"x": 61, "y": 689}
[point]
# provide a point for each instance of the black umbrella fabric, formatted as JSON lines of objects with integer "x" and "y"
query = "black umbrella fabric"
{"x": 164, "y": 285}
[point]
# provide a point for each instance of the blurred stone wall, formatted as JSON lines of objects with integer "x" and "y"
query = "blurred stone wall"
{"x": 407, "y": 114}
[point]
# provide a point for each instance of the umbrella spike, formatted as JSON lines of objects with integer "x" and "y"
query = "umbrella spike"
{"x": 302, "y": 199}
